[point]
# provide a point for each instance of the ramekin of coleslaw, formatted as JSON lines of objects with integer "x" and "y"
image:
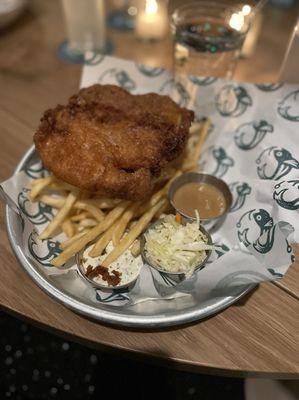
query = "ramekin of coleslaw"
{"x": 174, "y": 247}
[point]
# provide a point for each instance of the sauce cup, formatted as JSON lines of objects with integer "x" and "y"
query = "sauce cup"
{"x": 209, "y": 223}
{"x": 175, "y": 277}
{"x": 105, "y": 288}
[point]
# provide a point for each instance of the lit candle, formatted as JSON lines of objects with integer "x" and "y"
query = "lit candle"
{"x": 237, "y": 22}
{"x": 152, "y": 20}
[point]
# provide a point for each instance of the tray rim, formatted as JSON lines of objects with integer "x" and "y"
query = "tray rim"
{"x": 107, "y": 317}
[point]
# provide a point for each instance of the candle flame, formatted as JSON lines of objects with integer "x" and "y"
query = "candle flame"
{"x": 151, "y": 7}
{"x": 237, "y": 21}
{"x": 246, "y": 10}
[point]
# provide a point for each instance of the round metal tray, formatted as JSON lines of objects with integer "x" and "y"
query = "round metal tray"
{"x": 152, "y": 314}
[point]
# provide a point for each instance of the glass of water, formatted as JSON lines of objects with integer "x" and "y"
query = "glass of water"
{"x": 208, "y": 38}
{"x": 86, "y": 27}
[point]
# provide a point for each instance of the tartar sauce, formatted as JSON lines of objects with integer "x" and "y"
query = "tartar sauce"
{"x": 126, "y": 267}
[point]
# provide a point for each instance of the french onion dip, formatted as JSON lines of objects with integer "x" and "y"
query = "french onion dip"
{"x": 121, "y": 272}
{"x": 204, "y": 198}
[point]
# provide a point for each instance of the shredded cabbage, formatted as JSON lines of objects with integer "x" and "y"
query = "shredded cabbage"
{"x": 174, "y": 247}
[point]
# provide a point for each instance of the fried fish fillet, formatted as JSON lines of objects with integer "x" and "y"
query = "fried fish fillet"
{"x": 109, "y": 141}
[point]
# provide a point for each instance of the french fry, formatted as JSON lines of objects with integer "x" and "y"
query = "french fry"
{"x": 60, "y": 216}
{"x": 102, "y": 226}
{"x": 68, "y": 228}
{"x": 156, "y": 196}
{"x": 167, "y": 173}
{"x": 123, "y": 223}
{"x": 133, "y": 234}
{"x": 73, "y": 239}
{"x": 57, "y": 183}
{"x": 85, "y": 223}
{"x": 165, "y": 207}
{"x": 191, "y": 164}
{"x": 201, "y": 140}
{"x": 79, "y": 217}
{"x": 119, "y": 231}
{"x": 92, "y": 209}
{"x": 39, "y": 185}
{"x": 85, "y": 194}
{"x": 195, "y": 127}
{"x": 56, "y": 202}
{"x": 132, "y": 224}
{"x": 38, "y": 181}
{"x": 55, "y": 187}
{"x": 136, "y": 248}
{"x": 102, "y": 243}
{"x": 162, "y": 192}
{"x": 103, "y": 203}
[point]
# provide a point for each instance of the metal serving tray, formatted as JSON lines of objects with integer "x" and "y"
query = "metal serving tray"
{"x": 148, "y": 314}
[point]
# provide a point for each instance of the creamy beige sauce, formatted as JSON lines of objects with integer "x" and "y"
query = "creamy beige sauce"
{"x": 203, "y": 197}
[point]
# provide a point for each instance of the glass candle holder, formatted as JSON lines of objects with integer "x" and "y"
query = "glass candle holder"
{"x": 152, "y": 20}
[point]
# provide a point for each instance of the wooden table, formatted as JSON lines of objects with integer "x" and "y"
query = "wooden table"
{"x": 257, "y": 336}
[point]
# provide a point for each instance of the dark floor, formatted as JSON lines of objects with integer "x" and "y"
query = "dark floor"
{"x": 37, "y": 365}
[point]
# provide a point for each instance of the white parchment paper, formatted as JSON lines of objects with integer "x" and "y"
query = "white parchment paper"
{"x": 253, "y": 145}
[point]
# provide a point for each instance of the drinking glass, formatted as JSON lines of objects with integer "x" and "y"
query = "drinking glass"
{"x": 289, "y": 69}
{"x": 85, "y": 26}
{"x": 208, "y": 38}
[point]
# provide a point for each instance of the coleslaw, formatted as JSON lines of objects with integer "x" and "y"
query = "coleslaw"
{"x": 176, "y": 248}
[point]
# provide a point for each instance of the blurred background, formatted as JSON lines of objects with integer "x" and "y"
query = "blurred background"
{"x": 33, "y": 30}
{"x": 33, "y": 47}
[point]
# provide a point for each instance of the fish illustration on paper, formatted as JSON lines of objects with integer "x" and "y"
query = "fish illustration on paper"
{"x": 119, "y": 77}
{"x": 286, "y": 194}
{"x": 217, "y": 161}
{"x": 151, "y": 72}
{"x": 35, "y": 171}
{"x": 202, "y": 80}
{"x": 275, "y": 162}
{"x": 176, "y": 91}
{"x": 166, "y": 278}
{"x": 288, "y": 108}
{"x": 38, "y": 213}
{"x": 93, "y": 58}
{"x": 219, "y": 250}
{"x": 250, "y": 134}
{"x": 51, "y": 249}
{"x": 240, "y": 191}
{"x": 256, "y": 227}
{"x": 269, "y": 87}
{"x": 232, "y": 101}
{"x": 117, "y": 295}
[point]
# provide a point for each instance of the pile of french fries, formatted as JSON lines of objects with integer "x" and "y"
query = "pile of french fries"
{"x": 87, "y": 219}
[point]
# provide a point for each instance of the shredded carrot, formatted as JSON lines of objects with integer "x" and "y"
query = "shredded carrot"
{"x": 178, "y": 218}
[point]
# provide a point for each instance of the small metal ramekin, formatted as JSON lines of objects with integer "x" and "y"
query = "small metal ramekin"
{"x": 174, "y": 276}
{"x": 96, "y": 285}
{"x": 188, "y": 177}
